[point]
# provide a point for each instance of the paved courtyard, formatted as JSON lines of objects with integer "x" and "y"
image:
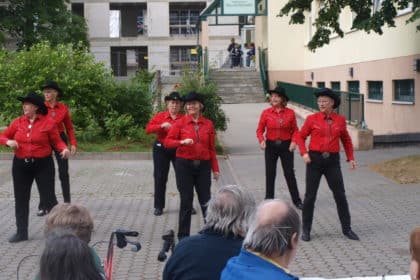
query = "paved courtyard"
{"x": 119, "y": 194}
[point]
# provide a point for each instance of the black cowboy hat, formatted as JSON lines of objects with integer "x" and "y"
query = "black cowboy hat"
{"x": 331, "y": 94}
{"x": 193, "y": 96}
{"x": 280, "y": 92}
{"x": 53, "y": 85}
{"x": 173, "y": 96}
{"x": 36, "y": 99}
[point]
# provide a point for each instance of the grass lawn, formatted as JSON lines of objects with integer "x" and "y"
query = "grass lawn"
{"x": 404, "y": 170}
{"x": 114, "y": 146}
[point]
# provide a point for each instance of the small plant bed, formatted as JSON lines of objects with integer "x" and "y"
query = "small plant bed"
{"x": 404, "y": 170}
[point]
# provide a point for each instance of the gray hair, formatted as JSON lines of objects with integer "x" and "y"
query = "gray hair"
{"x": 273, "y": 237}
{"x": 229, "y": 211}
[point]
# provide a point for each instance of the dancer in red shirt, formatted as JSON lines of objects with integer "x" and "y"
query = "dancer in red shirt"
{"x": 326, "y": 129}
{"x": 279, "y": 125}
{"x": 61, "y": 115}
{"x": 32, "y": 137}
{"x": 162, "y": 156}
{"x": 194, "y": 137}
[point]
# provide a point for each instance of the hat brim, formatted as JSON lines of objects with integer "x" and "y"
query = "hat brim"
{"x": 332, "y": 95}
{"x": 59, "y": 91}
{"x": 41, "y": 106}
{"x": 282, "y": 95}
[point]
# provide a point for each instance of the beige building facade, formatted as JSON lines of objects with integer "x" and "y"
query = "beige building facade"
{"x": 384, "y": 68}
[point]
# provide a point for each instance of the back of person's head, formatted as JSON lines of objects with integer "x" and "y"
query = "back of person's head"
{"x": 415, "y": 253}
{"x": 66, "y": 257}
{"x": 72, "y": 216}
{"x": 229, "y": 210}
{"x": 274, "y": 228}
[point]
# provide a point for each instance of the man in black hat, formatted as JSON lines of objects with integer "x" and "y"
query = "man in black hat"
{"x": 61, "y": 115}
{"x": 326, "y": 129}
{"x": 162, "y": 156}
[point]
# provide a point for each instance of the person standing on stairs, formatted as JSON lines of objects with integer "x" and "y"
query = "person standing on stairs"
{"x": 276, "y": 130}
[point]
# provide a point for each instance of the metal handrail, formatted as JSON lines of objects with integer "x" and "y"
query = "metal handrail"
{"x": 263, "y": 69}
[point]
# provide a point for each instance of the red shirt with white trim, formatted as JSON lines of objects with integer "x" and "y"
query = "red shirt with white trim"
{"x": 203, "y": 134}
{"x": 61, "y": 115}
{"x": 277, "y": 124}
{"x": 154, "y": 124}
{"x": 34, "y": 140}
{"x": 326, "y": 131}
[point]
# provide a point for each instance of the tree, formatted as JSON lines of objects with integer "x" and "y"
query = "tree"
{"x": 371, "y": 15}
{"x": 33, "y": 21}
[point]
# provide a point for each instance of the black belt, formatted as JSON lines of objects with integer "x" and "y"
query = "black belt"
{"x": 277, "y": 142}
{"x": 32, "y": 159}
{"x": 324, "y": 155}
{"x": 194, "y": 162}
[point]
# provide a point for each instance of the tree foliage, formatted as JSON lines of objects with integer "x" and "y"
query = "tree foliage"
{"x": 95, "y": 98}
{"x": 327, "y": 22}
{"x": 30, "y": 22}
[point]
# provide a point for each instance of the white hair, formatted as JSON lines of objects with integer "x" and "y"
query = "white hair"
{"x": 229, "y": 211}
{"x": 273, "y": 237}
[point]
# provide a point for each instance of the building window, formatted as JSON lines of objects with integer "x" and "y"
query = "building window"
{"x": 78, "y": 9}
{"x": 309, "y": 84}
{"x": 404, "y": 90}
{"x": 183, "y": 18}
{"x": 335, "y": 86}
{"x": 353, "y": 86}
{"x": 182, "y": 57}
{"x": 375, "y": 90}
{"x": 128, "y": 19}
{"x": 125, "y": 61}
{"x": 320, "y": 84}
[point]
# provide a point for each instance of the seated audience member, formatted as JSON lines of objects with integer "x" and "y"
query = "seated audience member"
{"x": 77, "y": 219}
{"x": 203, "y": 256}
{"x": 415, "y": 254}
{"x": 270, "y": 244}
{"x": 66, "y": 257}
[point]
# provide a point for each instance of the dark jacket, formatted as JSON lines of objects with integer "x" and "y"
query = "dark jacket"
{"x": 201, "y": 256}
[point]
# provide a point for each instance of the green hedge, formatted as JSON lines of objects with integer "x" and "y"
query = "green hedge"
{"x": 101, "y": 107}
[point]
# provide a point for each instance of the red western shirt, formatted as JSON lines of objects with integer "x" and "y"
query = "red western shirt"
{"x": 203, "y": 134}
{"x": 154, "y": 124}
{"x": 326, "y": 132}
{"x": 61, "y": 115}
{"x": 34, "y": 140}
{"x": 279, "y": 125}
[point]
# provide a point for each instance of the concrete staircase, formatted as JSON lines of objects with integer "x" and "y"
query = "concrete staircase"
{"x": 238, "y": 85}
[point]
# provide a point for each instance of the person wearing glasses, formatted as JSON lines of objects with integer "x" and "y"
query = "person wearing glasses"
{"x": 194, "y": 137}
{"x": 32, "y": 136}
{"x": 276, "y": 130}
{"x": 326, "y": 129}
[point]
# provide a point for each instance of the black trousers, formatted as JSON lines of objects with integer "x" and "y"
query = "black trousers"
{"x": 330, "y": 168}
{"x": 63, "y": 174}
{"x": 162, "y": 158}
{"x": 272, "y": 152}
{"x": 24, "y": 171}
{"x": 189, "y": 175}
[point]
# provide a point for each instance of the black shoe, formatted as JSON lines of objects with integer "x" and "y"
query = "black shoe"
{"x": 351, "y": 235}
{"x": 17, "y": 237}
{"x": 299, "y": 205}
{"x": 158, "y": 212}
{"x": 42, "y": 212}
{"x": 193, "y": 211}
{"x": 306, "y": 235}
